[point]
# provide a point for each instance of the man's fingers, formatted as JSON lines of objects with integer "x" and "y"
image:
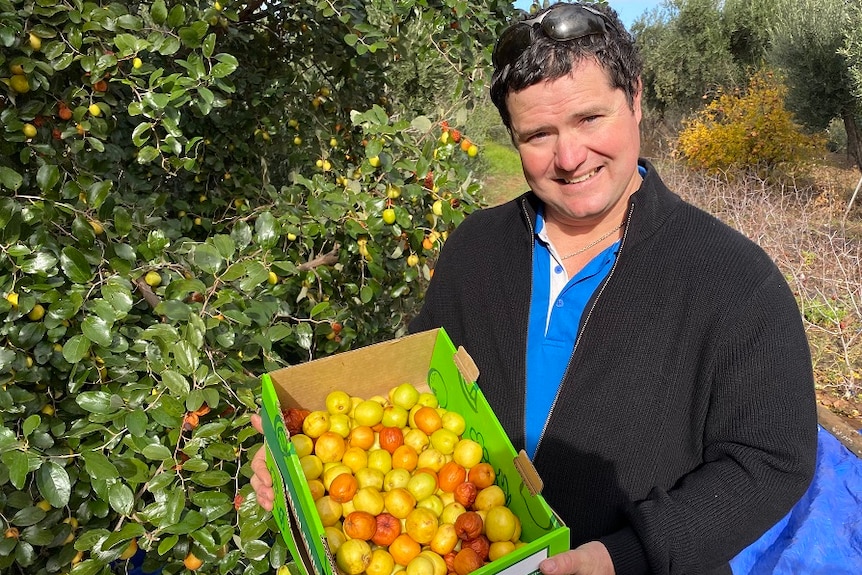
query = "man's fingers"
{"x": 257, "y": 422}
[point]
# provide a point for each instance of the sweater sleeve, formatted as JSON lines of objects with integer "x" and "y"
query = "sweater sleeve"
{"x": 760, "y": 442}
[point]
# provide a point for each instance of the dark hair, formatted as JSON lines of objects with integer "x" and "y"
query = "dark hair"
{"x": 549, "y": 59}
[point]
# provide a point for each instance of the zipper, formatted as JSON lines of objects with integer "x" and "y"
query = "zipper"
{"x": 523, "y": 405}
{"x": 586, "y": 320}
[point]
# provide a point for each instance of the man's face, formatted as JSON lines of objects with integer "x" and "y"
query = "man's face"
{"x": 579, "y": 142}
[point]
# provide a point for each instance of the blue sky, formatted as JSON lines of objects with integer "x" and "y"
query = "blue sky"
{"x": 629, "y": 10}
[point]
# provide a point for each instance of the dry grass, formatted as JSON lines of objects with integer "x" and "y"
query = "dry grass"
{"x": 804, "y": 227}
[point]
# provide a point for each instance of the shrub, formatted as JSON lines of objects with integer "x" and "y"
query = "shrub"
{"x": 192, "y": 195}
{"x": 747, "y": 131}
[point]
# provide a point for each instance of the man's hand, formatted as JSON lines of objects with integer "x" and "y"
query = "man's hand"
{"x": 589, "y": 559}
{"x": 261, "y": 481}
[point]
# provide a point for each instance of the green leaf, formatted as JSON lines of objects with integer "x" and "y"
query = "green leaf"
{"x": 54, "y": 484}
{"x": 75, "y": 265}
{"x": 156, "y": 452}
{"x": 76, "y": 348}
{"x": 215, "y": 478}
{"x": 159, "y": 12}
{"x": 98, "y": 192}
{"x": 191, "y": 35}
{"x": 18, "y": 466}
{"x": 98, "y": 465}
{"x": 95, "y": 401}
{"x": 97, "y": 330}
{"x": 47, "y": 177}
{"x": 186, "y": 356}
{"x": 10, "y": 179}
{"x": 177, "y": 16}
{"x": 208, "y": 45}
{"x": 30, "y": 424}
{"x": 147, "y": 154}
{"x": 176, "y": 383}
{"x": 266, "y": 230}
{"x": 138, "y": 138}
{"x": 207, "y": 258}
{"x": 121, "y": 498}
{"x": 227, "y": 63}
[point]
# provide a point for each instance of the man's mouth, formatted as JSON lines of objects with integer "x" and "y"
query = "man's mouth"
{"x": 582, "y": 178}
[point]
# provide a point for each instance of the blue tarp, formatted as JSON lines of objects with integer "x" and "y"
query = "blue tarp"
{"x": 822, "y": 534}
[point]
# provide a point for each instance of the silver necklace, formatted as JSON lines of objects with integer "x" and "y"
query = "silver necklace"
{"x": 588, "y": 246}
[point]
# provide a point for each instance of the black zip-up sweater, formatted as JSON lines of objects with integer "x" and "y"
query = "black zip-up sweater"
{"x": 685, "y": 425}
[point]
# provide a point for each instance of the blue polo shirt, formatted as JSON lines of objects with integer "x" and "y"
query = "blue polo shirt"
{"x": 554, "y": 321}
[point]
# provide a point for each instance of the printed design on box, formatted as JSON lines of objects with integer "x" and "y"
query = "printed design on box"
{"x": 545, "y": 523}
{"x": 470, "y": 392}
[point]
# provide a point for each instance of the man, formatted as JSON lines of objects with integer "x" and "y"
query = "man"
{"x": 651, "y": 360}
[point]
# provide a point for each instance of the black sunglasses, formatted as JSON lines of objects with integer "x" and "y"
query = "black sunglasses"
{"x": 561, "y": 22}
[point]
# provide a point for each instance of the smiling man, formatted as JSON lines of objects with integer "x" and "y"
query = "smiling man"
{"x": 650, "y": 360}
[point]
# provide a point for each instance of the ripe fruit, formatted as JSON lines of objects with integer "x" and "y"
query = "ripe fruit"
{"x": 329, "y": 446}
{"x": 360, "y": 525}
{"x": 98, "y": 229}
{"x": 437, "y": 208}
{"x": 368, "y": 412}
{"x": 381, "y": 563}
{"x": 421, "y": 525}
{"x": 37, "y": 313}
{"x": 404, "y": 549}
{"x": 343, "y": 488}
{"x": 95, "y": 110}
{"x": 137, "y": 63}
{"x": 450, "y": 476}
{"x": 399, "y": 502}
{"x": 272, "y": 278}
{"x": 12, "y": 298}
{"x": 500, "y": 523}
{"x": 374, "y": 161}
{"x": 153, "y": 278}
{"x": 427, "y": 419}
{"x": 412, "y": 260}
{"x": 353, "y": 556}
{"x": 472, "y": 151}
{"x": 389, "y": 216}
{"x": 338, "y": 402}
{"x": 405, "y": 457}
{"x": 130, "y": 550}
{"x": 482, "y": 475}
{"x": 468, "y": 453}
{"x": 489, "y": 497}
{"x": 388, "y": 528}
{"x": 404, "y": 395}
{"x": 391, "y": 438}
{"x": 19, "y": 83}
{"x": 361, "y": 436}
{"x": 192, "y": 563}
{"x": 35, "y": 42}
{"x": 29, "y": 130}
{"x": 370, "y": 500}
{"x": 467, "y": 561}
{"x": 316, "y": 424}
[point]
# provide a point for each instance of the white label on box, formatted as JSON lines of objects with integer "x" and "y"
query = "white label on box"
{"x": 527, "y": 565}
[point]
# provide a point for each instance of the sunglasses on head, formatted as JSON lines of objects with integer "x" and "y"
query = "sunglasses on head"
{"x": 561, "y": 22}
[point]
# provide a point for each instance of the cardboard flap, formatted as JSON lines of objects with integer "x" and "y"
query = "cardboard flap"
{"x": 466, "y": 365}
{"x": 528, "y": 473}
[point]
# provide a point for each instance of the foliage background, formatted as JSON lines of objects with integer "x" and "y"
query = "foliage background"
{"x": 192, "y": 195}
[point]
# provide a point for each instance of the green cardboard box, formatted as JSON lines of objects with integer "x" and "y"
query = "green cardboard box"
{"x": 428, "y": 360}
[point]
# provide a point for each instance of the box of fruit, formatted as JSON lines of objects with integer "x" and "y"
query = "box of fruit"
{"x": 389, "y": 458}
